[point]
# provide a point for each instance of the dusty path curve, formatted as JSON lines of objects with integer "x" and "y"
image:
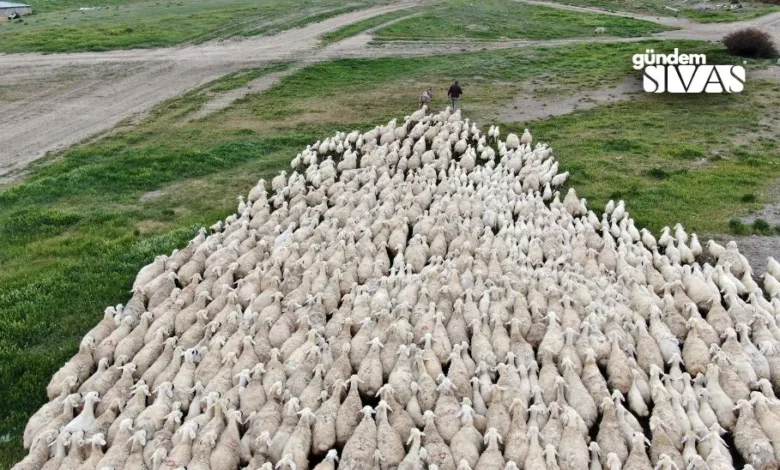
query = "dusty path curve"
{"x": 677, "y": 22}
{"x": 687, "y": 29}
{"x": 91, "y": 92}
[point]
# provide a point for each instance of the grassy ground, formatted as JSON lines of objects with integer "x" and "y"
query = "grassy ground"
{"x": 506, "y": 19}
{"x": 694, "y": 159}
{"x": 144, "y": 23}
{"x": 75, "y": 232}
{"x": 688, "y": 9}
{"x": 7, "y": 94}
{"x": 47, "y": 6}
{"x": 371, "y": 23}
{"x": 383, "y": 89}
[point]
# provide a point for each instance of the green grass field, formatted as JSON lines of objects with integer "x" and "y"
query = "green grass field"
{"x": 75, "y": 232}
{"x": 371, "y": 23}
{"x": 505, "y": 19}
{"x": 751, "y": 9}
{"x": 489, "y": 20}
{"x": 60, "y": 26}
{"x": 693, "y": 159}
{"x": 47, "y": 6}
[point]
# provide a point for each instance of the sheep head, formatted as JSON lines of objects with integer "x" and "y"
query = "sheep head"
{"x": 88, "y": 343}
{"x": 492, "y": 436}
{"x": 743, "y": 407}
{"x": 332, "y": 456}
{"x": 367, "y": 412}
{"x": 91, "y": 398}
{"x": 464, "y": 465}
{"x": 613, "y": 462}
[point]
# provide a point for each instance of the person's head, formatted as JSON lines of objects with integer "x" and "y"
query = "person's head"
{"x": 455, "y": 82}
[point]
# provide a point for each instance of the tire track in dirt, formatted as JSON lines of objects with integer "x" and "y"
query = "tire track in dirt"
{"x": 688, "y": 29}
{"x": 120, "y": 84}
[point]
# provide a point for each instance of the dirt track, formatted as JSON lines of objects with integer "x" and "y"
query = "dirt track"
{"x": 100, "y": 89}
{"x": 687, "y": 29}
{"x": 88, "y": 93}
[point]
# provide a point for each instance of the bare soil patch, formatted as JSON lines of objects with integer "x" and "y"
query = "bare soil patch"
{"x": 756, "y": 248}
{"x": 113, "y": 86}
{"x": 220, "y": 101}
{"x": 151, "y": 195}
{"x": 110, "y": 87}
{"x": 664, "y": 20}
{"x": 530, "y": 107}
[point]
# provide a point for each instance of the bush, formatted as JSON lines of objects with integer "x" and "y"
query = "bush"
{"x": 688, "y": 153}
{"x": 762, "y": 226}
{"x": 737, "y": 227}
{"x": 658, "y": 173}
{"x": 750, "y": 42}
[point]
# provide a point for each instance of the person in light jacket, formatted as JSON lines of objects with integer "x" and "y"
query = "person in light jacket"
{"x": 425, "y": 98}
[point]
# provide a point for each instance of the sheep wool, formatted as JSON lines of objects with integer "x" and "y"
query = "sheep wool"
{"x": 420, "y": 296}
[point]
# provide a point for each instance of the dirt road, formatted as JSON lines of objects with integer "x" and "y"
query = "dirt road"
{"x": 687, "y": 29}
{"x": 83, "y": 94}
{"x": 88, "y": 93}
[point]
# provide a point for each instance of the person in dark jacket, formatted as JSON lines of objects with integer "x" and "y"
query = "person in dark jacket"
{"x": 454, "y": 94}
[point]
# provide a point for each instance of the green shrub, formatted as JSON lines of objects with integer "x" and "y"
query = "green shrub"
{"x": 688, "y": 153}
{"x": 751, "y": 42}
{"x": 737, "y": 227}
{"x": 658, "y": 173}
{"x": 762, "y": 226}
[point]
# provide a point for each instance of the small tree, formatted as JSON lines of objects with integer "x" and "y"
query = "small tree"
{"x": 750, "y": 42}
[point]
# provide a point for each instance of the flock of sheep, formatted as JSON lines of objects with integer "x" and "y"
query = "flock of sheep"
{"x": 411, "y": 298}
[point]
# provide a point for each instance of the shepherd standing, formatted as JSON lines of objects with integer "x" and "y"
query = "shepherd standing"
{"x": 454, "y": 94}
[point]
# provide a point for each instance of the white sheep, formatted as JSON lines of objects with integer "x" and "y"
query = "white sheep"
{"x": 84, "y": 420}
{"x": 443, "y": 276}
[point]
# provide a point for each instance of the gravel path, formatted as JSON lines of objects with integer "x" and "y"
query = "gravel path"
{"x": 103, "y": 88}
